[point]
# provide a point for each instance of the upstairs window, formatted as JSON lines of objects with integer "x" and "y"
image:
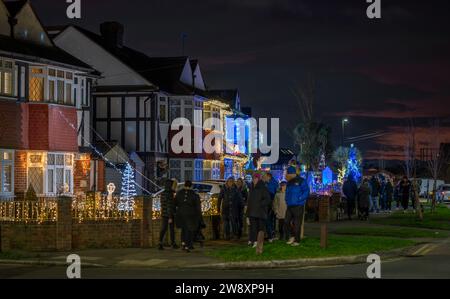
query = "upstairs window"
{"x": 51, "y": 85}
{"x": 6, "y": 77}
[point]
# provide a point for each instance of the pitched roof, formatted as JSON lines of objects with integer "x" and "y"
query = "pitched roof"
{"x": 226, "y": 95}
{"x": 14, "y": 7}
{"x": 35, "y": 52}
{"x": 164, "y": 72}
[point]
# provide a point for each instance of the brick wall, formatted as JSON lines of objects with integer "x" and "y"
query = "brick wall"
{"x": 66, "y": 233}
{"x": 20, "y": 172}
{"x": 10, "y": 124}
{"x": 106, "y": 234}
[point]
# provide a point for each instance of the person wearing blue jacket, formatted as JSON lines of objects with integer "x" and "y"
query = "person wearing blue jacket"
{"x": 297, "y": 193}
{"x": 272, "y": 186}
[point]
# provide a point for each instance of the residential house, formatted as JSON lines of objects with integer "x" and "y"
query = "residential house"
{"x": 43, "y": 91}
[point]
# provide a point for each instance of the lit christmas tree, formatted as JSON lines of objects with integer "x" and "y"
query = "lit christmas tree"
{"x": 128, "y": 191}
{"x": 354, "y": 164}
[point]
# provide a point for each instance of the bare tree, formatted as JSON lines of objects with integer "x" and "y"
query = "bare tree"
{"x": 436, "y": 159}
{"x": 411, "y": 164}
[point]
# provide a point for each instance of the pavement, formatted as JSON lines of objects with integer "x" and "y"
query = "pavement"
{"x": 433, "y": 264}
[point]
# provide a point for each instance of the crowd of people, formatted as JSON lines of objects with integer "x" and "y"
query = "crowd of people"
{"x": 272, "y": 210}
{"x": 377, "y": 195}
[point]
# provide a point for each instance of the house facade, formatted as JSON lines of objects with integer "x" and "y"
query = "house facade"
{"x": 43, "y": 94}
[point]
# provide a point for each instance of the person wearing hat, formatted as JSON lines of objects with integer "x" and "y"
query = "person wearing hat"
{"x": 257, "y": 207}
{"x": 297, "y": 193}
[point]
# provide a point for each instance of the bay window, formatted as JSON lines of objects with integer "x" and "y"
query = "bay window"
{"x": 51, "y": 85}
{"x": 50, "y": 173}
{"x": 6, "y": 172}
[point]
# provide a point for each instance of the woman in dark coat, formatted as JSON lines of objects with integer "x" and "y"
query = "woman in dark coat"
{"x": 167, "y": 213}
{"x": 405, "y": 189}
{"x": 257, "y": 209}
{"x": 188, "y": 214}
{"x": 364, "y": 200}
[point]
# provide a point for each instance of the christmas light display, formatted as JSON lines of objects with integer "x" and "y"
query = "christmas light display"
{"x": 353, "y": 164}
{"x": 128, "y": 191}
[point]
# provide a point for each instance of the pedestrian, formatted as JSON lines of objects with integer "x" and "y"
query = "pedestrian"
{"x": 279, "y": 208}
{"x": 257, "y": 208}
{"x": 364, "y": 200}
{"x": 167, "y": 201}
{"x": 230, "y": 203}
{"x": 397, "y": 195}
{"x": 382, "y": 193}
{"x": 297, "y": 193}
{"x": 272, "y": 186}
{"x": 350, "y": 190}
{"x": 388, "y": 193}
{"x": 374, "y": 194}
{"x": 188, "y": 214}
{"x": 405, "y": 189}
{"x": 242, "y": 189}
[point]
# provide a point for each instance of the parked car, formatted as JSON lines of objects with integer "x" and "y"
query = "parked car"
{"x": 443, "y": 193}
{"x": 427, "y": 185}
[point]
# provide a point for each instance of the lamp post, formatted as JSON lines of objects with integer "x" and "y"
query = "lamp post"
{"x": 344, "y": 121}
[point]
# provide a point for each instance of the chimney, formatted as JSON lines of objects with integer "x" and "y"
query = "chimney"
{"x": 112, "y": 32}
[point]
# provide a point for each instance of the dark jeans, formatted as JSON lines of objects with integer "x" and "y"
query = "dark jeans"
{"x": 187, "y": 237}
{"x": 256, "y": 225}
{"x": 282, "y": 229}
{"x": 294, "y": 216}
{"x": 270, "y": 224}
{"x": 405, "y": 201}
{"x": 164, "y": 226}
{"x": 216, "y": 227}
{"x": 350, "y": 208}
{"x": 383, "y": 205}
{"x": 226, "y": 226}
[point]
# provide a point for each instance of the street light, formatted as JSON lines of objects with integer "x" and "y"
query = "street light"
{"x": 344, "y": 121}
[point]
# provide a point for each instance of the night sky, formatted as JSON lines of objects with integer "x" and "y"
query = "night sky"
{"x": 379, "y": 73}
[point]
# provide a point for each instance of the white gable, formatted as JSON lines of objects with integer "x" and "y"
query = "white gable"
{"x": 186, "y": 74}
{"x": 199, "y": 83}
{"x": 113, "y": 71}
{"x": 29, "y": 28}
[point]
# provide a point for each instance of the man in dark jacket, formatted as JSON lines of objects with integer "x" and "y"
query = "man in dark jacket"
{"x": 242, "y": 189}
{"x": 230, "y": 203}
{"x": 297, "y": 193}
{"x": 167, "y": 201}
{"x": 350, "y": 190}
{"x": 388, "y": 193}
{"x": 257, "y": 206}
{"x": 188, "y": 215}
{"x": 374, "y": 194}
{"x": 405, "y": 189}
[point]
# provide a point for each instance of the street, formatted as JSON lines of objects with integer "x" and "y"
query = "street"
{"x": 434, "y": 265}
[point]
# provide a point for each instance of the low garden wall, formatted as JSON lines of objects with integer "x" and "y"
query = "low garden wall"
{"x": 62, "y": 226}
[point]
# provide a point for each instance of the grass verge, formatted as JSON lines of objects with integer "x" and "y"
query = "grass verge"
{"x": 439, "y": 219}
{"x": 310, "y": 248}
{"x": 394, "y": 232}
